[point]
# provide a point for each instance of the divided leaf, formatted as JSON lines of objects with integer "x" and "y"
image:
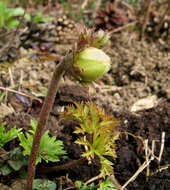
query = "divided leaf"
{"x": 99, "y": 129}
{"x": 50, "y": 149}
{"x": 9, "y": 135}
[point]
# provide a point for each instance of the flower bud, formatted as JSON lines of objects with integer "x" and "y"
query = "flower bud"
{"x": 92, "y": 63}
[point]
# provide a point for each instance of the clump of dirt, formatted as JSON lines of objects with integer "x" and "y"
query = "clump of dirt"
{"x": 131, "y": 153}
{"x": 139, "y": 69}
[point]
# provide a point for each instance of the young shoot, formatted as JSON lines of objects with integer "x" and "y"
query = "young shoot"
{"x": 98, "y": 130}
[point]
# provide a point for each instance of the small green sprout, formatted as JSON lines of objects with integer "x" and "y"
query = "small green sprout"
{"x": 50, "y": 149}
{"x": 98, "y": 130}
{"x": 9, "y": 135}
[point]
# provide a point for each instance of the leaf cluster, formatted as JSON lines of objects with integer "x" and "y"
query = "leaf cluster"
{"x": 50, "y": 149}
{"x": 7, "y": 136}
{"x": 7, "y": 15}
{"x": 38, "y": 18}
{"x": 97, "y": 133}
{"x": 16, "y": 160}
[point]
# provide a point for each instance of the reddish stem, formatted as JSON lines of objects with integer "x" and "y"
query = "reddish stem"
{"x": 46, "y": 109}
{"x": 46, "y": 170}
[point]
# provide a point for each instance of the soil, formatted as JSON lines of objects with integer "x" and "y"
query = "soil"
{"x": 136, "y": 91}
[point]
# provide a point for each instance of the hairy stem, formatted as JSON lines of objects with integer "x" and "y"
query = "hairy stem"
{"x": 64, "y": 66}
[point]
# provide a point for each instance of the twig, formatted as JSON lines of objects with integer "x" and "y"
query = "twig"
{"x": 21, "y": 80}
{"x": 164, "y": 167}
{"x": 146, "y": 17}
{"x": 115, "y": 182}
{"x": 97, "y": 5}
{"x": 128, "y": 6}
{"x": 148, "y": 153}
{"x": 141, "y": 168}
{"x": 11, "y": 77}
{"x": 20, "y": 93}
{"x": 93, "y": 179}
{"x": 68, "y": 188}
{"x": 122, "y": 27}
{"x": 158, "y": 27}
{"x": 162, "y": 146}
{"x": 153, "y": 146}
{"x": 147, "y": 158}
{"x": 116, "y": 3}
{"x": 84, "y": 4}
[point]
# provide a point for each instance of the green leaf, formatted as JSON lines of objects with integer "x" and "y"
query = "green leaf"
{"x": 5, "y": 170}
{"x": 27, "y": 17}
{"x": 12, "y": 23}
{"x": 17, "y": 160}
{"x": 47, "y": 19}
{"x": 98, "y": 133}
{"x": 45, "y": 184}
{"x": 33, "y": 124}
{"x": 38, "y": 18}
{"x": 8, "y": 136}
{"x": 107, "y": 185}
{"x": 14, "y": 12}
{"x": 7, "y": 15}
{"x": 3, "y": 5}
{"x": 50, "y": 148}
{"x": 82, "y": 186}
{"x": 82, "y": 141}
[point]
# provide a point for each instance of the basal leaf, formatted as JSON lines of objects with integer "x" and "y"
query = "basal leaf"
{"x": 13, "y": 12}
{"x": 50, "y": 148}
{"x": 41, "y": 184}
{"x": 9, "y": 135}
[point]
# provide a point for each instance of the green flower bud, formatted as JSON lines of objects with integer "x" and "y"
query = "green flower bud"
{"x": 91, "y": 63}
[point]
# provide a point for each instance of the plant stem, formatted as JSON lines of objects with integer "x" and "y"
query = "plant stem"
{"x": 64, "y": 66}
{"x": 146, "y": 18}
{"x": 45, "y": 170}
